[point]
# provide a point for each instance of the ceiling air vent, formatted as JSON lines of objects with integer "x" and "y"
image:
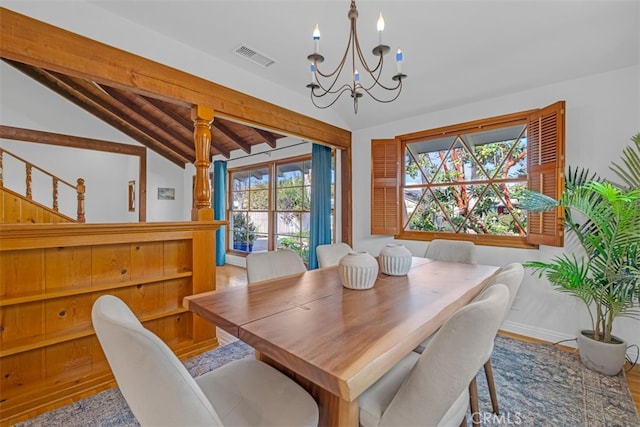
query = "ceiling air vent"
{"x": 253, "y": 56}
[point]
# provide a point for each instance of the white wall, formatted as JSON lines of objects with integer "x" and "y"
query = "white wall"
{"x": 99, "y": 24}
{"x": 27, "y": 104}
{"x": 603, "y": 112}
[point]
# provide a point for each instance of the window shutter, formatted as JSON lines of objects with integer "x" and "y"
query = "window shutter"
{"x": 385, "y": 186}
{"x": 545, "y": 164}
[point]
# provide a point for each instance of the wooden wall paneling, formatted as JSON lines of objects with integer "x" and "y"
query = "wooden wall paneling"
{"x": 17, "y": 209}
{"x": 67, "y": 315}
{"x": 70, "y": 359}
{"x": 50, "y": 276}
{"x": 67, "y": 268}
{"x": 178, "y": 257}
{"x": 110, "y": 263}
{"x": 28, "y": 213}
{"x": 175, "y": 328}
{"x": 11, "y": 208}
{"x": 21, "y": 372}
{"x": 98, "y": 359}
{"x": 21, "y": 273}
{"x": 174, "y": 292}
{"x": 148, "y": 299}
{"x": 147, "y": 260}
{"x": 21, "y": 324}
{"x": 204, "y": 278}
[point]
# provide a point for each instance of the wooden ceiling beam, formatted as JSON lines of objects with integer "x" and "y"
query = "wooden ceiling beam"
{"x": 133, "y": 107}
{"x": 33, "y": 42}
{"x": 233, "y": 136}
{"x": 268, "y": 137}
{"x": 80, "y": 99}
{"x": 97, "y": 100}
{"x": 184, "y": 123}
{"x": 29, "y": 135}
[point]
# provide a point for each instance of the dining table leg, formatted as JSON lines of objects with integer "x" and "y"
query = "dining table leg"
{"x": 333, "y": 410}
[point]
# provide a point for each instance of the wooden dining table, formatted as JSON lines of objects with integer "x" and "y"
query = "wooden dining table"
{"x": 336, "y": 342}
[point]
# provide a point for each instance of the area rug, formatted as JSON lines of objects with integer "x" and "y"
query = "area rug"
{"x": 538, "y": 385}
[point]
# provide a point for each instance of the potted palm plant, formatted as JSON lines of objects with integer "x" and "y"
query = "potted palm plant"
{"x": 244, "y": 232}
{"x": 605, "y": 220}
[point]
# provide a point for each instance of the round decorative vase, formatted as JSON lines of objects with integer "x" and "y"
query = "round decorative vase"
{"x": 605, "y": 358}
{"x": 395, "y": 260}
{"x": 358, "y": 270}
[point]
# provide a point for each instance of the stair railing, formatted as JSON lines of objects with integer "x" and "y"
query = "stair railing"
{"x": 79, "y": 188}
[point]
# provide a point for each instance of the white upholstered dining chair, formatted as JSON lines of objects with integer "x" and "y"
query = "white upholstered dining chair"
{"x": 432, "y": 388}
{"x": 268, "y": 265}
{"x": 511, "y": 276}
{"x": 330, "y": 254}
{"x": 452, "y": 251}
{"x": 161, "y": 392}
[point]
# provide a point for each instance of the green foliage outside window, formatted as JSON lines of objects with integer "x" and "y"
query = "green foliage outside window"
{"x": 467, "y": 183}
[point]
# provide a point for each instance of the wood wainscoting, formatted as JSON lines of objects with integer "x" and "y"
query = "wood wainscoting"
{"x": 50, "y": 275}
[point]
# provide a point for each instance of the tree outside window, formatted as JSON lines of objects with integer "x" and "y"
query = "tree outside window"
{"x": 467, "y": 183}
{"x": 463, "y": 181}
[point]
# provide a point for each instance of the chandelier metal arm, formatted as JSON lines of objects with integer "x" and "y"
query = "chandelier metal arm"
{"x": 399, "y": 90}
{"x": 355, "y": 88}
{"x": 345, "y": 89}
{"x": 338, "y": 69}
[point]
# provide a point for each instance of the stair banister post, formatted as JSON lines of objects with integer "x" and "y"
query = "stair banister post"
{"x": 81, "y": 189}
{"x": 202, "y": 118}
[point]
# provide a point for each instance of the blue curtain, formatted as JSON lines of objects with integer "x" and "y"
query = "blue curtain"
{"x": 320, "y": 232}
{"x": 219, "y": 211}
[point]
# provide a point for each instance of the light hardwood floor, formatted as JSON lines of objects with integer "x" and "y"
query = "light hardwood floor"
{"x": 230, "y": 275}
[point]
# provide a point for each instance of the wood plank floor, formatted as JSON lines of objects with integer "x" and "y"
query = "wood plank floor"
{"x": 230, "y": 275}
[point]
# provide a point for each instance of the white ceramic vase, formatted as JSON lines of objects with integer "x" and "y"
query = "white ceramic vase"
{"x": 395, "y": 260}
{"x": 358, "y": 270}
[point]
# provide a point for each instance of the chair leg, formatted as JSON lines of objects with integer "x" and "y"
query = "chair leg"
{"x": 488, "y": 372}
{"x": 473, "y": 402}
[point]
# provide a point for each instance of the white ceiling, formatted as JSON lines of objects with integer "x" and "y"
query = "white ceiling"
{"x": 456, "y": 52}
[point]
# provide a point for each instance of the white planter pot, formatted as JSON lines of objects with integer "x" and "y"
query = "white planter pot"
{"x": 395, "y": 260}
{"x": 358, "y": 270}
{"x": 605, "y": 358}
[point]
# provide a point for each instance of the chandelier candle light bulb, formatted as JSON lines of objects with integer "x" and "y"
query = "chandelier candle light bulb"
{"x": 327, "y": 83}
{"x": 380, "y": 27}
{"x": 316, "y": 40}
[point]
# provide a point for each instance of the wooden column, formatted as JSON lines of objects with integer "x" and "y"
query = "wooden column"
{"x": 202, "y": 118}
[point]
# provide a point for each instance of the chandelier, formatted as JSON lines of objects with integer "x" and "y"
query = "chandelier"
{"x": 356, "y": 87}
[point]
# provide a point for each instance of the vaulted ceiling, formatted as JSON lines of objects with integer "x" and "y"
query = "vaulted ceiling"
{"x": 161, "y": 126}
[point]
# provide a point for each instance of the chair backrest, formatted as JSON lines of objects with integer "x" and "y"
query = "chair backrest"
{"x": 452, "y": 251}
{"x": 268, "y": 265}
{"x": 449, "y": 363}
{"x": 330, "y": 254}
{"x": 511, "y": 276}
{"x": 153, "y": 381}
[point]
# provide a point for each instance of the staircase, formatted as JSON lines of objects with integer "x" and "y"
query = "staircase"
{"x": 18, "y": 208}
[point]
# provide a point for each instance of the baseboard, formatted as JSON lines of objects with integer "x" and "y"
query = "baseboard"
{"x": 539, "y": 333}
{"x": 238, "y": 261}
